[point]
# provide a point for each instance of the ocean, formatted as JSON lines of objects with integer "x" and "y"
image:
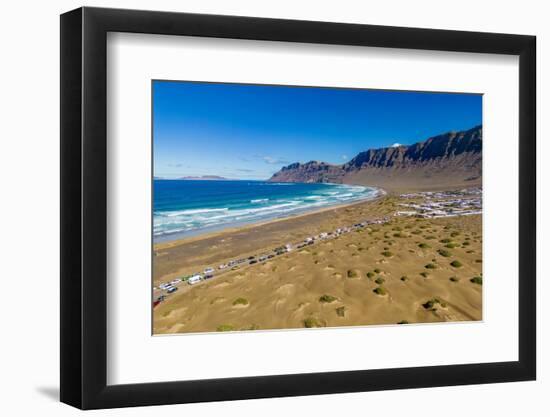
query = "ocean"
{"x": 186, "y": 208}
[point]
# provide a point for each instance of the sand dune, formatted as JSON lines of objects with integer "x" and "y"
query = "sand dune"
{"x": 399, "y": 272}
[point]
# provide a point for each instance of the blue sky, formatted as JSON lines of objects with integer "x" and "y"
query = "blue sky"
{"x": 251, "y": 131}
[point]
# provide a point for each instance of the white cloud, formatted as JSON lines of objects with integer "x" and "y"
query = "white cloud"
{"x": 274, "y": 160}
{"x": 396, "y": 145}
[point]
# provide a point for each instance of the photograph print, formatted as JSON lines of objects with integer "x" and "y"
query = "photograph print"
{"x": 296, "y": 207}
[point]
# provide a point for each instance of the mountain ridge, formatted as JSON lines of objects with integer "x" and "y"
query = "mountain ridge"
{"x": 449, "y": 160}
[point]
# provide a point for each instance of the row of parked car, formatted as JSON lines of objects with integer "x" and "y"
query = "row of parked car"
{"x": 208, "y": 273}
{"x": 171, "y": 287}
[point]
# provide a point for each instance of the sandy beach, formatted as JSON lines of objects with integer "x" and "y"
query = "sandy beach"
{"x": 406, "y": 270}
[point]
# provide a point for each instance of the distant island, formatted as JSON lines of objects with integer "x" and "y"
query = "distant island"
{"x": 204, "y": 178}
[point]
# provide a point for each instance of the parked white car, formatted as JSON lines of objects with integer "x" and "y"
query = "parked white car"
{"x": 194, "y": 279}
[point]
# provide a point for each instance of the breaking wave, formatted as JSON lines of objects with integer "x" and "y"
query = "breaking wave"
{"x": 231, "y": 209}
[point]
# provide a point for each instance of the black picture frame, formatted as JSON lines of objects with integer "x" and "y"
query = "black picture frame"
{"x": 84, "y": 207}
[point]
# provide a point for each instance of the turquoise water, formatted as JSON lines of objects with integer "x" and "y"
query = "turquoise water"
{"x": 186, "y": 208}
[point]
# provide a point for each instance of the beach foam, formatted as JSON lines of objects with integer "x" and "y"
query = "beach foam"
{"x": 235, "y": 207}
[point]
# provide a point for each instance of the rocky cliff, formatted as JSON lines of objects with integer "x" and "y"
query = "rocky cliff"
{"x": 453, "y": 159}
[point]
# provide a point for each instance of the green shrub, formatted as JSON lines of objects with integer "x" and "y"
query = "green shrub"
{"x": 225, "y": 328}
{"x": 454, "y": 279}
{"x": 379, "y": 280}
{"x": 352, "y": 273}
{"x": 387, "y": 253}
{"x": 430, "y": 304}
{"x": 477, "y": 280}
{"x": 341, "y": 311}
{"x": 370, "y": 274}
{"x": 452, "y": 245}
{"x": 403, "y": 322}
{"x": 478, "y": 261}
{"x": 380, "y": 291}
{"x": 404, "y": 278}
{"x": 424, "y": 246}
{"x": 445, "y": 241}
{"x": 377, "y": 270}
{"x": 311, "y": 322}
{"x": 455, "y": 234}
{"x": 424, "y": 274}
{"x": 240, "y": 301}
{"x": 456, "y": 264}
{"x": 327, "y": 298}
{"x": 430, "y": 266}
{"x": 444, "y": 253}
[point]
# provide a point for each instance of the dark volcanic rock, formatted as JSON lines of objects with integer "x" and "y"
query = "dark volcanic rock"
{"x": 312, "y": 171}
{"x": 453, "y": 157}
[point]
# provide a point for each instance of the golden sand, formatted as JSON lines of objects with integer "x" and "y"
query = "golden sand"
{"x": 398, "y": 272}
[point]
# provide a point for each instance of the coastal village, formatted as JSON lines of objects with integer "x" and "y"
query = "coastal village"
{"x": 442, "y": 204}
{"x": 422, "y": 205}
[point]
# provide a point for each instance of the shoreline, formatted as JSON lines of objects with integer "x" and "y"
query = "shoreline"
{"x": 164, "y": 244}
{"x": 186, "y": 256}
